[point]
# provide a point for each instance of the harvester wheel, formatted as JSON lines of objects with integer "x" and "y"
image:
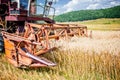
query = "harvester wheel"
{"x": 1, "y": 43}
{"x": 2, "y": 23}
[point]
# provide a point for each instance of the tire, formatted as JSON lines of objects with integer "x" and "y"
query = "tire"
{"x": 1, "y": 43}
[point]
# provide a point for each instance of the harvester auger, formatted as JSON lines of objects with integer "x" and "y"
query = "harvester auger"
{"x": 26, "y": 36}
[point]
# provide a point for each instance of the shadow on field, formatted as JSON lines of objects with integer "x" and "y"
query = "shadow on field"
{"x": 42, "y": 69}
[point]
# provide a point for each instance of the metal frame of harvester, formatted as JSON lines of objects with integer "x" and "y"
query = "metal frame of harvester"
{"x": 25, "y": 39}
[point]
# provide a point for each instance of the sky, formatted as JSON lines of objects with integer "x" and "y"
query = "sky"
{"x": 63, "y": 6}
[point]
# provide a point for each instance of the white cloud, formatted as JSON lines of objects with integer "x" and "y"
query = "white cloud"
{"x": 93, "y": 6}
{"x": 55, "y": 0}
{"x": 73, "y": 5}
{"x": 115, "y": 3}
{"x": 70, "y": 6}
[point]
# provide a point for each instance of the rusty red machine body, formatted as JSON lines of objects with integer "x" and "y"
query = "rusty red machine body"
{"x": 27, "y": 30}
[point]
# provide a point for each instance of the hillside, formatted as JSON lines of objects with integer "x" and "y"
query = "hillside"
{"x": 89, "y": 14}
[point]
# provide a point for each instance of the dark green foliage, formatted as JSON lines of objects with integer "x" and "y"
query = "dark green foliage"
{"x": 81, "y": 15}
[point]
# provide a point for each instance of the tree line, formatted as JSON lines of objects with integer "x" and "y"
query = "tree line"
{"x": 113, "y": 12}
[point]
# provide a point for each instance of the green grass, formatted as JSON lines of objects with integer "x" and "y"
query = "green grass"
{"x": 103, "y": 21}
{"x": 101, "y": 24}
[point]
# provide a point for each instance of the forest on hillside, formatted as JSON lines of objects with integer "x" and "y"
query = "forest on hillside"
{"x": 113, "y": 12}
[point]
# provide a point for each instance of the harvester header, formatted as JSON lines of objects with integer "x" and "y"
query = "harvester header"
{"x": 26, "y": 31}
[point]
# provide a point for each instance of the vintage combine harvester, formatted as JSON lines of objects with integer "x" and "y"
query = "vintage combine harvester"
{"x": 26, "y": 31}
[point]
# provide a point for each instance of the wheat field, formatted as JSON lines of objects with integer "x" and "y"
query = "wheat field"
{"x": 101, "y": 41}
{"x": 78, "y": 58}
